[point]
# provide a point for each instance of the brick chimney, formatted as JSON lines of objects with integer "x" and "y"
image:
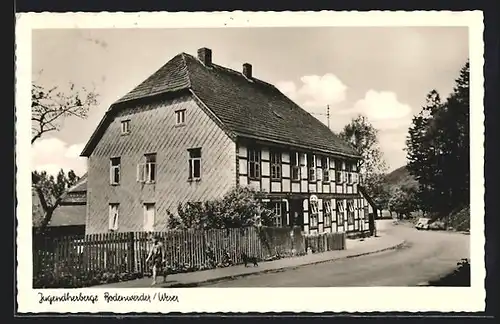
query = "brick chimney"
{"x": 205, "y": 56}
{"x": 247, "y": 70}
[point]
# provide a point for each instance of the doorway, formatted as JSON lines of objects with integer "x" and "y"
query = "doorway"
{"x": 296, "y": 213}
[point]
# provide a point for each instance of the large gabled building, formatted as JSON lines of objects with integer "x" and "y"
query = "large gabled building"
{"x": 194, "y": 129}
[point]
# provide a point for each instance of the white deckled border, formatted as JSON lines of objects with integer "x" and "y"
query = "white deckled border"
{"x": 277, "y": 299}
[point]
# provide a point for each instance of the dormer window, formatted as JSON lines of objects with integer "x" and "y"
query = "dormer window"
{"x": 125, "y": 127}
{"x": 180, "y": 117}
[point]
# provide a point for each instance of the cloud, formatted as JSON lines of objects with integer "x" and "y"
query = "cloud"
{"x": 384, "y": 110}
{"x": 53, "y": 154}
{"x": 315, "y": 91}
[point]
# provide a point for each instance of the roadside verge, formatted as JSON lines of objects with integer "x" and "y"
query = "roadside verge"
{"x": 355, "y": 248}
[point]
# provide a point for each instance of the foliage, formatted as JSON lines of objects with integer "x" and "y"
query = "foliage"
{"x": 460, "y": 277}
{"x": 50, "y": 106}
{"x": 239, "y": 208}
{"x": 361, "y": 134}
{"x": 67, "y": 275}
{"x": 377, "y": 189}
{"x": 49, "y": 190}
{"x": 403, "y": 201}
{"x": 438, "y": 149}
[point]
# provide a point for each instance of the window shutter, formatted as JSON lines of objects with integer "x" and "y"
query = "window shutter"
{"x": 111, "y": 171}
{"x": 110, "y": 215}
{"x": 140, "y": 172}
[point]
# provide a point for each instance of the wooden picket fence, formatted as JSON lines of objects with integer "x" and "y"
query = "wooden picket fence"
{"x": 127, "y": 252}
{"x": 325, "y": 242}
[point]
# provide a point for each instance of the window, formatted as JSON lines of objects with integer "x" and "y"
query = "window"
{"x": 350, "y": 212}
{"x": 338, "y": 171}
{"x": 113, "y": 217}
{"x": 340, "y": 212}
{"x": 180, "y": 117}
{"x": 146, "y": 172}
{"x": 114, "y": 171}
{"x": 254, "y": 164}
{"x": 295, "y": 164}
{"x": 278, "y": 214}
{"x": 149, "y": 217}
{"x": 125, "y": 127}
{"x": 327, "y": 212}
{"x": 194, "y": 164}
{"x": 350, "y": 178}
{"x": 313, "y": 217}
{"x": 325, "y": 164}
{"x": 312, "y": 167}
{"x": 275, "y": 165}
{"x": 150, "y": 167}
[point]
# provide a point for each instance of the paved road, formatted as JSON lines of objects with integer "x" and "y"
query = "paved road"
{"x": 426, "y": 256}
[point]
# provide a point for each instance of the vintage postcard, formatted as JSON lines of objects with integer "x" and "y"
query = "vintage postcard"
{"x": 311, "y": 161}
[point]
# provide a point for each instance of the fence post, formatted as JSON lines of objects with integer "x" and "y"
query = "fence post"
{"x": 131, "y": 253}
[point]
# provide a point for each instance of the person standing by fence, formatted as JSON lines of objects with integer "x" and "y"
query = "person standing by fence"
{"x": 157, "y": 256}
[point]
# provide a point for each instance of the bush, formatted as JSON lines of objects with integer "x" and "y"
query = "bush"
{"x": 80, "y": 278}
{"x": 239, "y": 208}
{"x": 458, "y": 278}
{"x": 437, "y": 226}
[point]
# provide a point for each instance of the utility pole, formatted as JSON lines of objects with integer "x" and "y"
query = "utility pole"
{"x": 328, "y": 115}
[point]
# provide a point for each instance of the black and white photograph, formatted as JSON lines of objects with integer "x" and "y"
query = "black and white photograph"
{"x": 239, "y": 151}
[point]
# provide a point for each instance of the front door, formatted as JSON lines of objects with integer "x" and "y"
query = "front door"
{"x": 296, "y": 213}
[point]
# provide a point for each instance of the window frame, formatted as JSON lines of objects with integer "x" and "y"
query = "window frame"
{"x": 295, "y": 166}
{"x": 325, "y": 166}
{"x": 180, "y": 117}
{"x": 311, "y": 168}
{"x": 144, "y": 221}
{"x": 113, "y": 223}
{"x": 313, "y": 214}
{"x": 340, "y": 213}
{"x": 125, "y": 126}
{"x": 277, "y": 217}
{"x": 254, "y": 160}
{"x": 327, "y": 212}
{"x": 112, "y": 175}
{"x": 150, "y": 167}
{"x": 275, "y": 163}
{"x": 192, "y": 163}
{"x": 350, "y": 212}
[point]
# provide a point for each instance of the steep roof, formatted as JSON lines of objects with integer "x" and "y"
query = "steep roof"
{"x": 247, "y": 107}
{"x": 68, "y": 215}
{"x": 71, "y": 210}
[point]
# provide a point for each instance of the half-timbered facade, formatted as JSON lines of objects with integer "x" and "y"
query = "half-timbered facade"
{"x": 314, "y": 190}
{"x": 195, "y": 129}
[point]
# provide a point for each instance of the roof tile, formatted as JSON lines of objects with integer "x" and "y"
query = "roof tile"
{"x": 246, "y": 107}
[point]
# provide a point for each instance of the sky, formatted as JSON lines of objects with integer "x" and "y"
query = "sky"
{"x": 383, "y": 73}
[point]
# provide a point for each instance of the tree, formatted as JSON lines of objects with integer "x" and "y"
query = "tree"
{"x": 363, "y": 136}
{"x": 50, "y": 106}
{"x": 402, "y": 201}
{"x": 420, "y": 150}
{"x": 438, "y": 149}
{"x": 50, "y": 190}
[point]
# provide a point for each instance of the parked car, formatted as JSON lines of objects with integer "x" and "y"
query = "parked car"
{"x": 422, "y": 224}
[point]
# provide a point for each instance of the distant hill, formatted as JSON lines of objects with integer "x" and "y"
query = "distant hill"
{"x": 400, "y": 177}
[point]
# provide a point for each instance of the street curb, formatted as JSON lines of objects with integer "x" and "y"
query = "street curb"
{"x": 232, "y": 277}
